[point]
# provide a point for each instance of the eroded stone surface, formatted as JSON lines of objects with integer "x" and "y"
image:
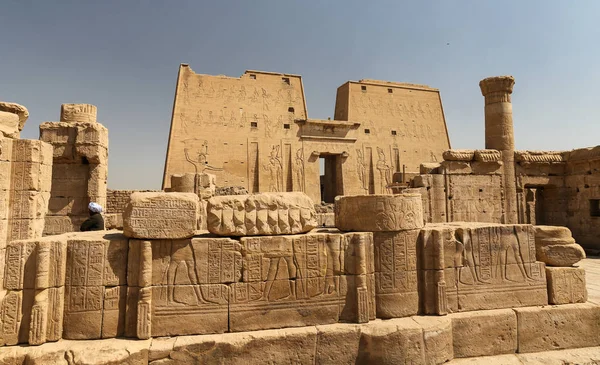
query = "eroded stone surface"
{"x": 561, "y": 255}
{"x": 566, "y": 285}
{"x": 161, "y": 215}
{"x": 484, "y": 333}
{"x": 558, "y": 327}
{"x": 261, "y": 214}
{"x": 378, "y": 213}
{"x": 12, "y": 119}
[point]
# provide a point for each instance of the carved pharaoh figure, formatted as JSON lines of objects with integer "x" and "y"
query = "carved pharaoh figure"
{"x": 384, "y": 171}
{"x": 362, "y": 171}
{"x": 275, "y": 168}
{"x": 299, "y": 170}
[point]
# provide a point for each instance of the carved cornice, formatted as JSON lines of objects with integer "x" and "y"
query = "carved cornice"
{"x": 458, "y": 155}
{"x": 488, "y": 155}
{"x": 540, "y": 156}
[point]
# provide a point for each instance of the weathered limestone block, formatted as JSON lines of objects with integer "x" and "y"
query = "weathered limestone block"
{"x": 558, "y": 327}
{"x": 561, "y": 255}
{"x": 474, "y": 266}
{"x": 161, "y": 215}
{"x": 304, "y": 280}
{"x": 98, "y": 352}
{"x": 35, "y": 264}
{"x": 488, "y": 156}
{"x": 337, "y": 344}
{"x": 377, "y": 213}
{"x": 544, "y": 235}
{"x": 566, "y": 285}
{"x": 458, "y": 155}
{"x": 261, "y": 214}
{"x": 484, "y": 333}
{"x": 78, "y": 113}
{"x": 438, "y": 338}
{"x": 429, "y": 168}
{"x": 397, "y": 341}
{"x": 456, "y": 167}
{"x": 12, "y": 119}
{"x": 396, "y": 288}
{"x": 487, "y": 168}
{"x": 285, "y": 346}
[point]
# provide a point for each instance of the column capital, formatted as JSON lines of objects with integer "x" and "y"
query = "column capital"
{"x": 497, "y": 89}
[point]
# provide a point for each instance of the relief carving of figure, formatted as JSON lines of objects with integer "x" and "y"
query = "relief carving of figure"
{"x": 463, "y": 256}
{"x": 200, "y": 163}
{"x": 275, "y": 168}
{"x": 299, "y": 170}
{"x": 511, "y": 244}
{"x": 362, "y": 171}
{"x": 384, "y": 171}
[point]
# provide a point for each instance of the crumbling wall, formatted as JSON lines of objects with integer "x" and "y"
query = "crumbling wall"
{"x": 80, "y": 166}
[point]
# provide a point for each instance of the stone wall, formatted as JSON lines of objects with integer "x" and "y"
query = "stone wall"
{"x": 559, "y": 188}
{"x": 258, "y": 134}
{"x": 80, "y": 166}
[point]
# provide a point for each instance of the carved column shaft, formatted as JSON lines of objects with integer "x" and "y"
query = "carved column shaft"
{"x": 499, "y": 135}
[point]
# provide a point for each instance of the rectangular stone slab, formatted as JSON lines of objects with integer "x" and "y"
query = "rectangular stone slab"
{"x": 161, "y": 215}
{"x": 261, "y": 214}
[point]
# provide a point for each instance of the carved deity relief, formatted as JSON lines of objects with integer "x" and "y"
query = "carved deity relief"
{"x": 299, "y": 170}
{"x": 362, "y": 171}
{"x": 385, "y": 177}
{"x": 201, "y": 163}
{"x": 275, "y": 169}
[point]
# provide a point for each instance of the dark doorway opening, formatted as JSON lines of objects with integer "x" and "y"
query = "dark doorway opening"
{"x": 331, "y": 177}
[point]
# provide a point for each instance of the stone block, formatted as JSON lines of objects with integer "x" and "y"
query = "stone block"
{"x": 326, "y": 219}
{"x": 9, "y": 124}
{"x": 27, "y": 204}
{"x": 276, "y": 304}
{"x": 429, "y": 168}
{"x": 285, "y": 346}
{"x": 161, "y": 215}
{"x": 26, "y": 228}
{"x": 396, "y": 273}
{"x": 12, "y": 118}
{"x": 437, "y": 337}
{"x": 91, "y": 134}
{"x": 83, "y": 312}
{"x": 96, "y": 258}
{"x": 481, "y": 266}
{"x": 459, "y": 155}
{"x": 560, "y": 255}
{"x": 195, "y": 261}
{"x": 6, "y": 149}
{"x": 71, "y": 113}
{"x": 261, "y": 214}
{"x": 63, "y": 206}
{"x": 377, "y": 213}
{"x": 189, "y": 309}
{"x": 337, "y": 344}
{"x": 558, "y": 327}
{"x": 396, "y": 341}
{"x": 483, "y": 168}
{"x": 35, "y": 264}
{"x": 357, "y": 298}
{"x": 31, "y": 176}
{"x": 456, "y": 168}
{"x": 30, "y": 150}
{"x": 566, "y": 285}
{"x": 61, "y": 224}
{"x": 57, "y": 133}
{"x": 484, "y": 333}
{"x": 94, "y": 154}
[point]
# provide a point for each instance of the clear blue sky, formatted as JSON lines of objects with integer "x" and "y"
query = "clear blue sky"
{"x": 123, "y": 56}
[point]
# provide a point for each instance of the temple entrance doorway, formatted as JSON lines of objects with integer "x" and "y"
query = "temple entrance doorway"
{"x": 330, "y": 166}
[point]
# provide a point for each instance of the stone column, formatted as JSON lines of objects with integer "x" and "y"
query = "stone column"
{"x": 499, "y": 135}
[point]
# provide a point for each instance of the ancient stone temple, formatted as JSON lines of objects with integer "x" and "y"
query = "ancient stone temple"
{"x": 80, "y": 166}
{"x": 475, "y": 259}
{"x": 254, "y": 131}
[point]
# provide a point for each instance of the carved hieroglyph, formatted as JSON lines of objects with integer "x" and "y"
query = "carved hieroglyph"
{"x": 378, "y": 213}
{"x": 161, "y": 215}
{"x": 261, "y": 214}
{"x": 566, "y": 285}
{"x": 25, "y": 180}
{"x": 473, "y": 266}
